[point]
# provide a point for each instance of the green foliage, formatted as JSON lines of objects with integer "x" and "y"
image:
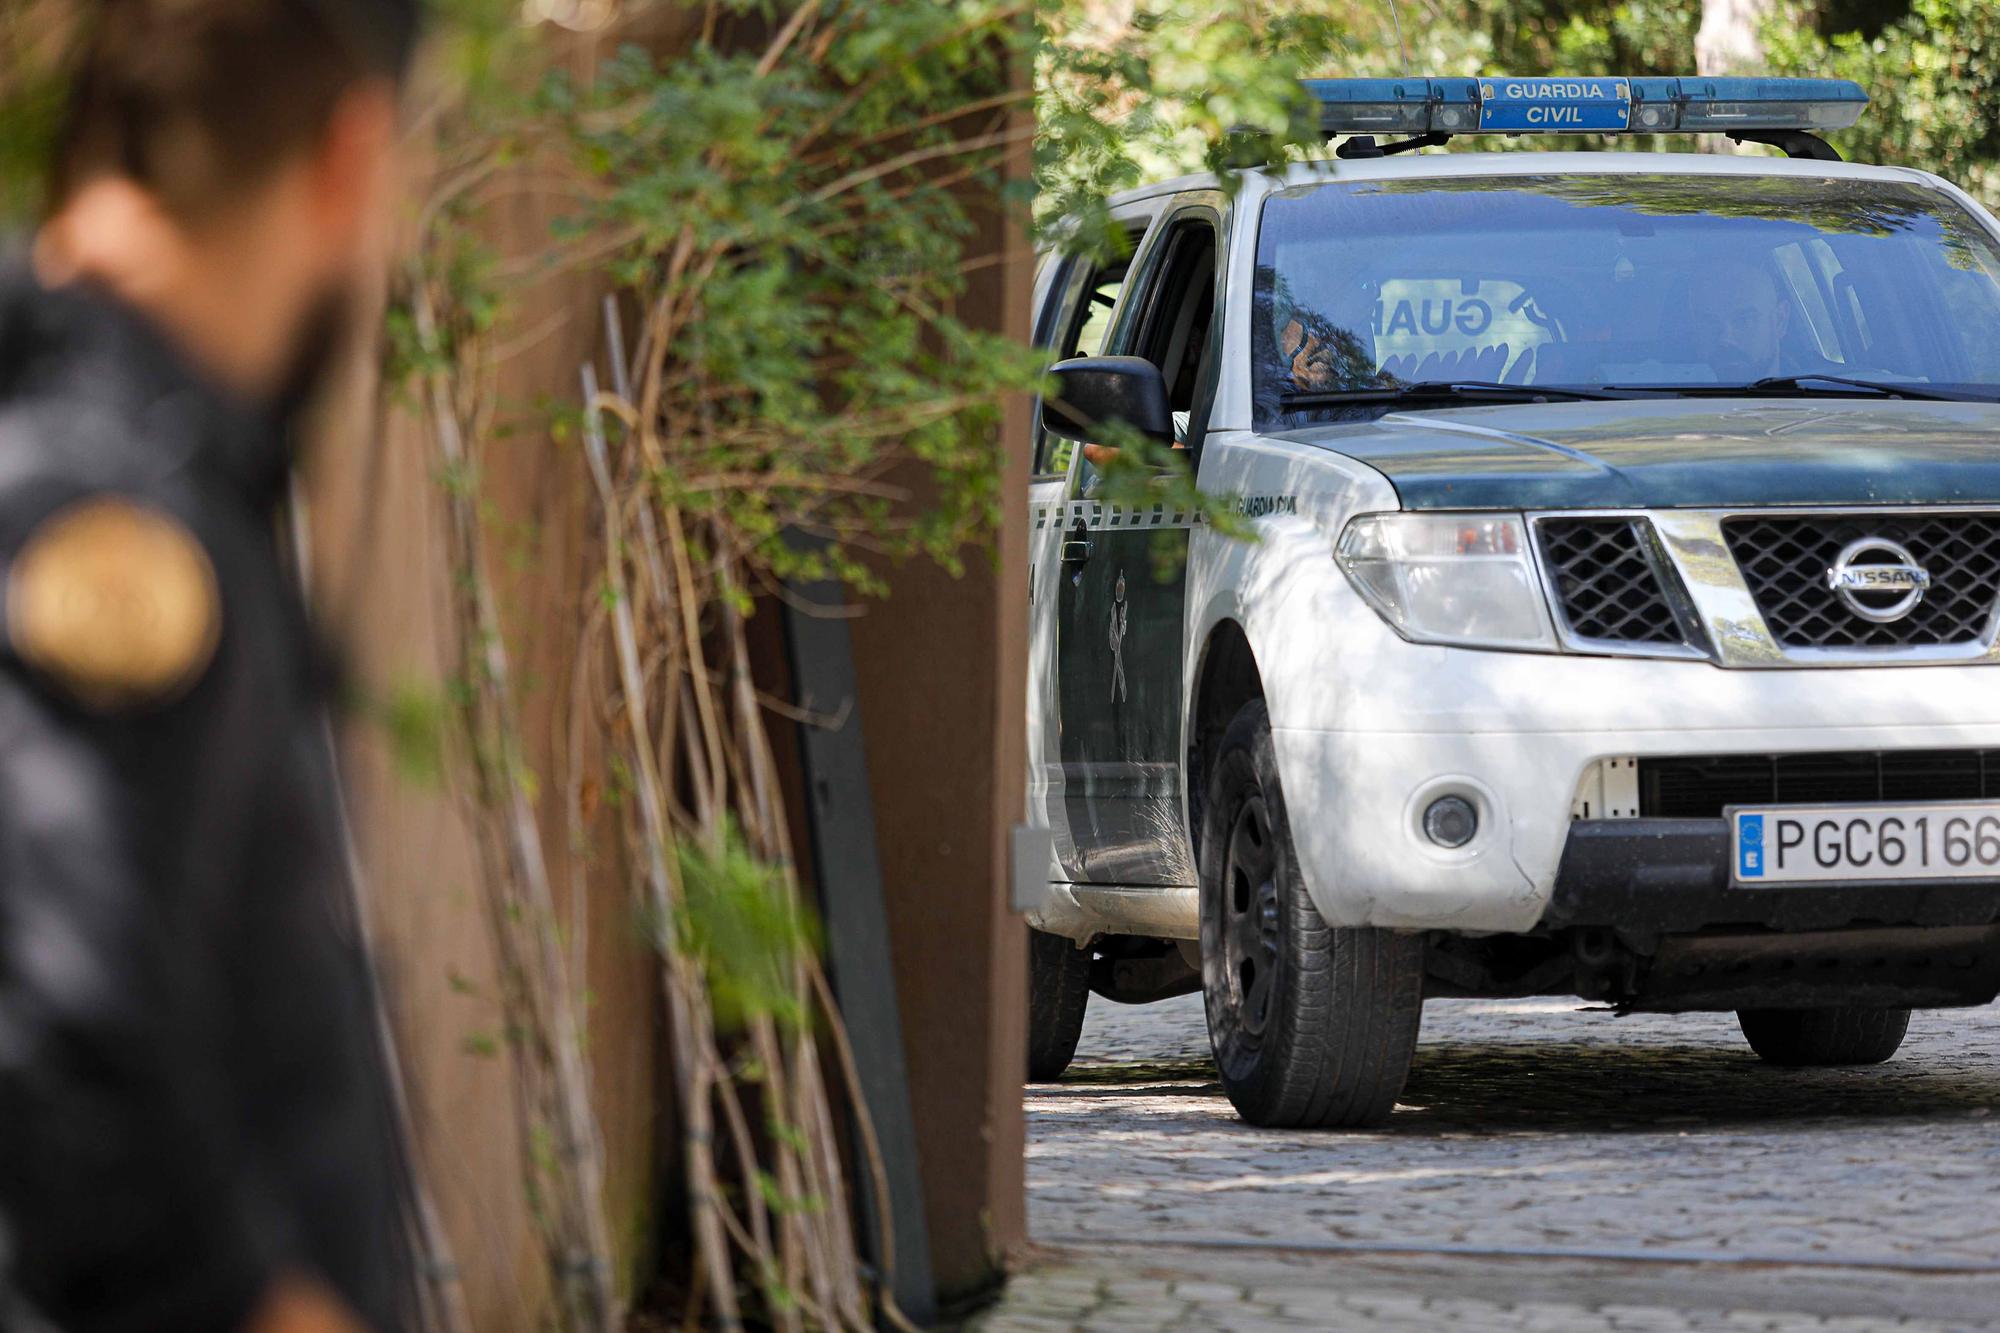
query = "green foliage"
{"x": 28, "y": 115}
{"x": 741, "y": 921}
{"x": 799, "y": 231}
{"x": 33, "y": 37}
{"x": 470, "y": 304}
{"x": 414, "y": 717}
{"x": 1174, "y": 89}
{"x": 1932, "y": 67}
{"x": 1933, "y": 75}
{"x": 476, "y": 46}
{"x": 1185, "y": 85}
{"x": 1635, "y": 37}
{"x": 479, "y": 1045}
{"x": 1586, "y": 36}
{"x": 1155, "y": 98}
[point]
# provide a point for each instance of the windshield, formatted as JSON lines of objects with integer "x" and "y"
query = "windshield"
{"x": 1629, "y": 281}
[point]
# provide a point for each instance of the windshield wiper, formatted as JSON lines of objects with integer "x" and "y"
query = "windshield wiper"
{"x": 1467, "y": 391}
{"x": 1894, "y": 388}
{"x": 1788, "y": 385}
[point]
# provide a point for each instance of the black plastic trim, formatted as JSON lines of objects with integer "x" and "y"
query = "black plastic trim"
{"x": 1672, "y": 875}
{"x": 1792, "y": 143}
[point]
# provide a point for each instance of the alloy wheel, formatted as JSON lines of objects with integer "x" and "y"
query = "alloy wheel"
{"x": 1250, "y": 917}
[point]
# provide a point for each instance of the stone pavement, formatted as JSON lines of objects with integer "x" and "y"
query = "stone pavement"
{"x": 1549, "y": 1168}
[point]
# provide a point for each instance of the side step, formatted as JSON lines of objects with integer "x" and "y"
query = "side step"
{"x": 1080, "y": 911}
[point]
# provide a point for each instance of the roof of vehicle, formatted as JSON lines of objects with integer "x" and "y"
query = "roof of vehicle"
{"x": 1409, "y": 166}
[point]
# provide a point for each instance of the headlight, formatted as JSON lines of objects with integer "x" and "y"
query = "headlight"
{"x": 1450, "y": 578}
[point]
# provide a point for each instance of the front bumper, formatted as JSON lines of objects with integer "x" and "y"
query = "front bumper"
{"x": 1671, "y": 876}
{"x": 1675, "y": 934}
{"x": 1515, "y": 733}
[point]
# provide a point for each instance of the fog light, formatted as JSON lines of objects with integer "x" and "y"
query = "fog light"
{"x": 1450, "y": 821}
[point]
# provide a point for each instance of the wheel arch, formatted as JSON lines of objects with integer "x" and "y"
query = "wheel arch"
{"x": 1226, "y": 677}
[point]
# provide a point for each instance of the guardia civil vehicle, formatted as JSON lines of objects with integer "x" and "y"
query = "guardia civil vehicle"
{"x": 1620, "y": 618}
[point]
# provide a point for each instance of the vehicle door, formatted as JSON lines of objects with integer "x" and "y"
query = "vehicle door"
{"x": 1076, "y": 300}
{"x": 1121, "y": 589}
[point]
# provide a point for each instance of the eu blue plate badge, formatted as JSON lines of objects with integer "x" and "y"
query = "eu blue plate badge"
{"x": 1749, "y": 846}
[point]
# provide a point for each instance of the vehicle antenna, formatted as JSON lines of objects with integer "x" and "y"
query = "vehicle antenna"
{"x": 1396, "y": 17}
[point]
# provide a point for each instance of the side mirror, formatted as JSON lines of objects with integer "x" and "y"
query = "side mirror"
{"x": 1093, "y": 390}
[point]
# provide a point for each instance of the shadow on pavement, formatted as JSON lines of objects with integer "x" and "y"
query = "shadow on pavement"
{"x": 1562, "y": 1087}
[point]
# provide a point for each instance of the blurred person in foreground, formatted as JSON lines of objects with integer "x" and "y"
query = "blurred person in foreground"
{"x": 194, "y": 1132}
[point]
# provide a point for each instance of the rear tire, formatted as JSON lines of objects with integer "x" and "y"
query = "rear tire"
{"x": 1058, "y": 993}
{"x": 1802, "y": 1038}
{"x": 1312, "y": 1025}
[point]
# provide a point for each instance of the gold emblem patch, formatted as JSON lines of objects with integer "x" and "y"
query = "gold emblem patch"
{"x": 115, "y": 602}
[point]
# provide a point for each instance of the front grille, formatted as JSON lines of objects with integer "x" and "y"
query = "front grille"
{"x": 1699, "y": 786}
{"x": 1785, "y": 560}
{"x": 1609, "y": 589}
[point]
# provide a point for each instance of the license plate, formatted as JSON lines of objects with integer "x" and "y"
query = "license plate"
{"x": 1801, "y": 844}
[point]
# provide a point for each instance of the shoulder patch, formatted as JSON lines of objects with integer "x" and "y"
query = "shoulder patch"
{"x": 115, "y": 602}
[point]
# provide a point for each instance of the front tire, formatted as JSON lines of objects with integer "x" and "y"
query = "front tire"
{"x": 1312, "y": 1025}
{"x": 1058, "y": 993}
{"x": 1806, "y": 1038}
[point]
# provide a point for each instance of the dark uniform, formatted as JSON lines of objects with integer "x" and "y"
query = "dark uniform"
{"x": 191, "y": 1094}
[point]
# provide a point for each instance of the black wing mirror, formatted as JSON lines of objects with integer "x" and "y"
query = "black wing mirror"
{"x": 1092, "y": 390}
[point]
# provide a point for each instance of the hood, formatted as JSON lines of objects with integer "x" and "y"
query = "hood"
{"x": 1664, "y": 453}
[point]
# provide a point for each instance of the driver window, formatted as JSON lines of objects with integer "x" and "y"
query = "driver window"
{"x": 1172, "y": 331}
{"x": 1086, "y": 321}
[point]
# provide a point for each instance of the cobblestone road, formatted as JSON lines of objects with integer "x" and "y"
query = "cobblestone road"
{"x": 1549, "y": 1168}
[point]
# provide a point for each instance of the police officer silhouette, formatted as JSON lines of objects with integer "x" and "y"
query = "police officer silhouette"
{"x": 194, "y": 1132}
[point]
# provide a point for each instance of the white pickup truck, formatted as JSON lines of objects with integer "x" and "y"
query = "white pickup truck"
{"x": 1620, "y": 619}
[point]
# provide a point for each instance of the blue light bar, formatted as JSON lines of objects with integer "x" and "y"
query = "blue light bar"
{"x": 1589, "y": 105}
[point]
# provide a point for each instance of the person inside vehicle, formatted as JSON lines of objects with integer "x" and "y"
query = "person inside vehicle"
{"x": 1743, "y": 320}
{"x": 1307, "y": 356}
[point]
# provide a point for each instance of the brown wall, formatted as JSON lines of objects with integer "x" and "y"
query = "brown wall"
{"x": 945, "y": 752}
{"x": 383, "y": 587}
{"x": 942, "y": 669}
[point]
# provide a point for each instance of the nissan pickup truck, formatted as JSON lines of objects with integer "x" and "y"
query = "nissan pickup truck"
{"x": 1609, "y": 608}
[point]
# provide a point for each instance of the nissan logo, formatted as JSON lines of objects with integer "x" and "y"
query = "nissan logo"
{"x": 1878, "y": 579}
